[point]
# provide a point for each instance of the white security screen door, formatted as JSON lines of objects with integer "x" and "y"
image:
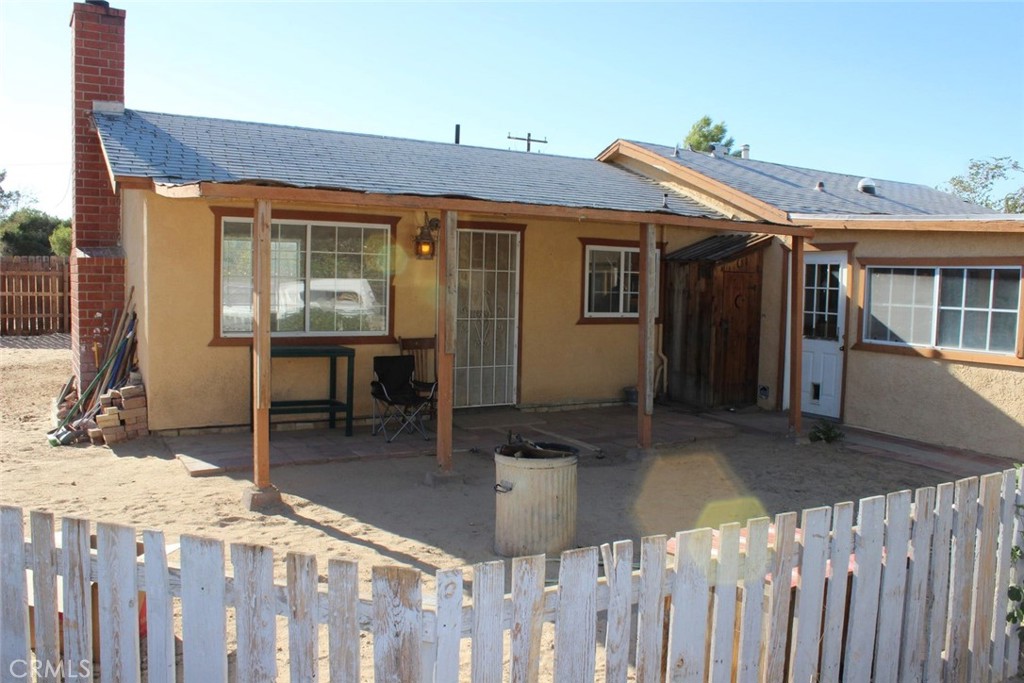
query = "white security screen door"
{"x": 487, "y": 318}
{"x": 824, "y": 332}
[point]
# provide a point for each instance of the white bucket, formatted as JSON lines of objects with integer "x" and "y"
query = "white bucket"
{"x": 535, "y": 505}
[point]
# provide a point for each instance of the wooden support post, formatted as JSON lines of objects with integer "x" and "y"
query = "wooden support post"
{"x": 796, "y": 333}
{"x": 645, "y": 324}
{"x": 447, "y": 245}
{"x": 264, "y": 493}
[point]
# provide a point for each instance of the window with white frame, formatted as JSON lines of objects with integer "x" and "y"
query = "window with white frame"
{"x": 612, "y": 282}
{"x": 326, "y": 279}
{"x": 959, "y": 308}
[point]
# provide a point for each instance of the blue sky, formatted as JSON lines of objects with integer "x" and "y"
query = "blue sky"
{"x": 894, "y": 91}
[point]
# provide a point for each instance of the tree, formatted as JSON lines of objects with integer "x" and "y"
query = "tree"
{"x": 9, "y": 201}
{"x": 705, "y": 133}
{"x": 977, "y": 185}
{"x": 60, "y": 240}
{"x": 26, "y": 232}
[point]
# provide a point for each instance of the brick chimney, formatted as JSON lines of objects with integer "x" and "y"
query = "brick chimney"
{"x": 97, "y": 260}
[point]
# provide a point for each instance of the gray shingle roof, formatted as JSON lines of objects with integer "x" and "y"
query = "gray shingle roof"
{"x": 791, "y": 188}
{"x": 180, "y": 150}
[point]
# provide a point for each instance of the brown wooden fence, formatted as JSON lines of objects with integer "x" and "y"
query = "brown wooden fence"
{"x": 35, "y": 295}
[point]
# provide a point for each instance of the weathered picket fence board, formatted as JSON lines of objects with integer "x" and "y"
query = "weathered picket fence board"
{"x": 835, "y": 600}
{"x": 203, "y": 619}
{"x": 893, "y": 591}
{"x": 782, "y": 563}
{"x": 488, "y": 604}
{"x": 914, "y": 642}
{"x": 752, "y": 610}
{"x": 527, "y": 617}
{"x": 724, "y": 612}
{"x": 45, "y": 603}
{"x": 938, "y": 590}
{"x": 927, "y": 601}
{"x": 343, "y": 620}
{"x": 965, "y": 516}
{"x": 119, "y": 608}
{"x": 576, "y": 624}
{"x": 803, "y": 660}
{"x": 867, "y": 573}
{"x": 13, "y": 594}
{"x": 618, "y": 569}
{"x": 687, "y": 636}
{"x": 651, "y": 609}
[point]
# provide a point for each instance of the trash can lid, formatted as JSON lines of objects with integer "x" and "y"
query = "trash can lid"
{"x": 539, "y": 449}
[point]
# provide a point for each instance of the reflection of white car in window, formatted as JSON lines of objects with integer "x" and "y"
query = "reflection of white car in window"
{"x": 344, "y": 296}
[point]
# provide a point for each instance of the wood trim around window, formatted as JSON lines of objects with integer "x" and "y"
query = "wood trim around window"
{"x": 1015, "y": 359}
{"x": 222, "y": 212}
{"x": 620, "y": 244}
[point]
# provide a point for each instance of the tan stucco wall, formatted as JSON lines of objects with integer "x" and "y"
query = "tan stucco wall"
{"x": 965, "y": 405}
{"x": 133, "y": 241}
{"x": 193, "y": 384}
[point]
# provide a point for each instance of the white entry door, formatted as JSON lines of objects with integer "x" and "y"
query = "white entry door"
{"x": 487, "y": 319}
{"x": 824, "y": 332}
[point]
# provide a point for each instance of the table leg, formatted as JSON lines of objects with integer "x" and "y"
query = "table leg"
{"x": 333, "y": 393}
{"x": 350, "y": 362}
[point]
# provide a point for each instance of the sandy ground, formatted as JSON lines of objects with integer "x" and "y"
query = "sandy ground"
{"x": 381, "y": 512}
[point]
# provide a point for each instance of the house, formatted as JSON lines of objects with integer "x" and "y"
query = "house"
{"x": 546, "y": 288}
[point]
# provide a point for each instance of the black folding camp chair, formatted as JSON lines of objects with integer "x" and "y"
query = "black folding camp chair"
{"x": 398, "y": 400}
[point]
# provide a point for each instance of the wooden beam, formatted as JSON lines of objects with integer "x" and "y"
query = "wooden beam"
{"x": 645, "y": 324}
{"x": 796, "y": 334}
{"x": 502, "y": 209}
{"x": 261, "y": 345}
{"x": 447, "y": 282}
{"x": 937, "y": 224}
{"x": 697, "y": 180}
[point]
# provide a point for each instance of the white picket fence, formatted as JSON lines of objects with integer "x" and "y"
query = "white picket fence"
{"x": 924, "y": 600}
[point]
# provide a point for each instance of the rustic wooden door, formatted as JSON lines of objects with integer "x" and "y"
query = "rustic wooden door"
{"x": 738, "y": 321}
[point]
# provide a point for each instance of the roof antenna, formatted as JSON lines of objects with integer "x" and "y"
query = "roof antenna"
{"x": 676, "y": 153}
{"x": 529, "y": 139}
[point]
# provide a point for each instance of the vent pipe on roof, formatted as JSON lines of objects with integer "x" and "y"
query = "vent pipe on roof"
{"x": 664, "y": 201}
{"x": 719, "y": 151}
{"x": 867, "y": 186}
{"x": 457, "y": 127}
{"x": 745, "y": 152}
{"x": 676, "y": 152}
{"x": 820, "y": 186}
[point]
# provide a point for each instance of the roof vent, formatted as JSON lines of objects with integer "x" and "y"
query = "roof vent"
{"x": 867, "y": 186}
{"x": 745, "y": 152}
{"x": 676, "y": 152}
{"x": 718, "y": 150}
{"x": 820, "y": 186}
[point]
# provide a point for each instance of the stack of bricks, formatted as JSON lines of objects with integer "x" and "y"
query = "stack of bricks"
{"x": 123, "y": 416}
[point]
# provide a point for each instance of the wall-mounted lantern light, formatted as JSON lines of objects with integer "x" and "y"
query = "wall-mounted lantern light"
{"x": 426, "y": 239}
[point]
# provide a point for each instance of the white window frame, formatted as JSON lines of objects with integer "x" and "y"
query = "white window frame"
{"x": 936, "y": 308}
{"x": 622, "y": 251}
{"x": 386, "y": 304}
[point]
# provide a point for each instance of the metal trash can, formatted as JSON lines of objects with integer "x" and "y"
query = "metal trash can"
{"x": 535, "y": 499}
